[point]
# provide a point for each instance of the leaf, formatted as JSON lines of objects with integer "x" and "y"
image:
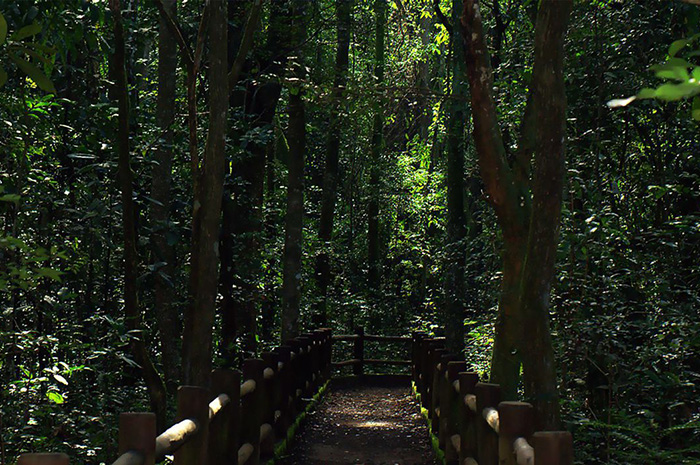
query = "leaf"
{"x": 60, "y": 379}
{"x": 696, "y": 108}
{"x": 27, "y": 31}
{"x": 50, "y": 273}
{"x": 10, "y": 198}
{"x": 35, "y": 74}
{"x": 55, "y": 397}
{"x": 677, "y": 46}
{"x": 3, "y": 29}
{"x": 646, "y": 93}
{"x": 672, "y": 92}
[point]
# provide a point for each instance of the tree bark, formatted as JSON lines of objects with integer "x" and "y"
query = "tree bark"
{"x": 291, "y": 274}
{"x": 330, "y": 176}
{"x": 548, "y": 185}
{"x": 294, "y": 219}
{"x": 243, "y": 217}
{"x": 374, "y": 275}
{"x": 154, "y": 384}
{"x": 206, "y": 213}
{"x": 163, "y": 252}
{"x": 456, "y": 220}
{"x": 528, "y": 216}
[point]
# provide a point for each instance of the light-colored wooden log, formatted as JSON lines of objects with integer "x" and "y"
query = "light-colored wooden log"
{"x": 215, "y": 406}
{"x": 491, "y": 416}
{"x": 172, "y": 438}
{"x": 244, "y": 453}
{"x": 456, "y": 441}
{"x": 470, "y": 401}
{"x": 265, "y": 431}
{"x": 524, "y": 453}
{"x": 247, "y": 387}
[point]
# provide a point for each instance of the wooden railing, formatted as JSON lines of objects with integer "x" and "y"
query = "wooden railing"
{"x": 239, "y": 424}
{"x": 472, "y": 425}
{"x": 359, "y": 361}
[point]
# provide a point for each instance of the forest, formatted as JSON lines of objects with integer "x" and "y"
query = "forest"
{"x": 185, "y": 184}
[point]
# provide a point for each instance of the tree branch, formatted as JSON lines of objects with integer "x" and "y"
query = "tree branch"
{"x": 246, "y": 44}
{"x": 175, "y": 29}
{"x": 498, "y": 178}
{"x": 441, "y": 16}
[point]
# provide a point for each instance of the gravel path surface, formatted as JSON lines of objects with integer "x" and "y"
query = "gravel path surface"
{"x": 367, "y": 425}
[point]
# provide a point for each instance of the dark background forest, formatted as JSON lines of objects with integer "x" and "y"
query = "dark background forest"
{"x": 348, "y": 194}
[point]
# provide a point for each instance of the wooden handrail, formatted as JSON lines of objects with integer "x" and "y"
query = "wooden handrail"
{"x": 243, "y": 418}
{"x": 487, "y": 431}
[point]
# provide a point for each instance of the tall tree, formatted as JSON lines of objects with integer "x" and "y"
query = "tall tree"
{"x": 527, "y": 202}
{"x": 163, "y": 251}
{"x": 154, "y": 384}
{"x": 458, "y": 115}
{"x": 206, "y": 212}
{"x": 294, "y": 218}
{"x": 374, "y": 262}
{"x": 243, "y": 219}
{"x": 330, "y": 176}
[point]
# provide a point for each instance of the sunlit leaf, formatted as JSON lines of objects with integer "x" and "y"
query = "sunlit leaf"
{"x": 55, "y": 397}
{"x": 60, "y": 379}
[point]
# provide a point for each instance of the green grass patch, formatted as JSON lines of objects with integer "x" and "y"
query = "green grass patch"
{"x": 433, "y": 439}
{"x": 282, "y": 447}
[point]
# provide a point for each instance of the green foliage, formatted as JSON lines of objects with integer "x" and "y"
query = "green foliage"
{"x": 15, "y": 47}
{"x": 684, "y": 77}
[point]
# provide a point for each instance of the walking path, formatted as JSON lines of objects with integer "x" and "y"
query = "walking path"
{"x": 363, "y": 425}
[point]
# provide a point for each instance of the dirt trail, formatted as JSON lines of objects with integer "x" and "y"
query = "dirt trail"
{"x": 366, "y": 425}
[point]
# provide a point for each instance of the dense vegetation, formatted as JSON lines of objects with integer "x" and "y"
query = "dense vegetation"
{"x": 320, "y": 166}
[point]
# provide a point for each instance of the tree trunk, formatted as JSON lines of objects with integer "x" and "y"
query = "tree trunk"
{"x": 330, "y": 177}
{"x": 548, "y": 184}
{"x": 163, "y": 252}
{"x": 154, "y": 384}
{"x": 528, "y": 216}
{"x": 291, "y": 275}
{"x": 243, "y": 217}
{"x": 206, "y": 214}
{"x": 373, "y": 260}
{"x": 456, "y": 220}
{"x": 294, "y": 219}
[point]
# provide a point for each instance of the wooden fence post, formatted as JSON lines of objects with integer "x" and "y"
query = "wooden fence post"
{"x": 449, "y": 418}
{"x": 193, "y": 402}
{"x": 553, "y": 448}
{"x": 487, "y": 395}
{"x": 515, "y": 421}
{"x": 433, "y": 391}
{"x": 443, "y": 399}
{"x": 468, "y": 419}
{"x": 43, "y": 459}
{"x": 416, "y": 340}
{"x": 223, "y": 429}
{"x": 359, "y": 352}
{"x": 252, "y": 408}
{"x": 272, "y": 392}
{"x": 137, "y": 432}
{"x": 286, "y": 385}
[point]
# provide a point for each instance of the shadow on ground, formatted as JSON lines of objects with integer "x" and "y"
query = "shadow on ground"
{"x": 363, "y": 425}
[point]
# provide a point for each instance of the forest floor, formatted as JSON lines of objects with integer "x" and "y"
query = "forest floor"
{"x": 363, "y": 425}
